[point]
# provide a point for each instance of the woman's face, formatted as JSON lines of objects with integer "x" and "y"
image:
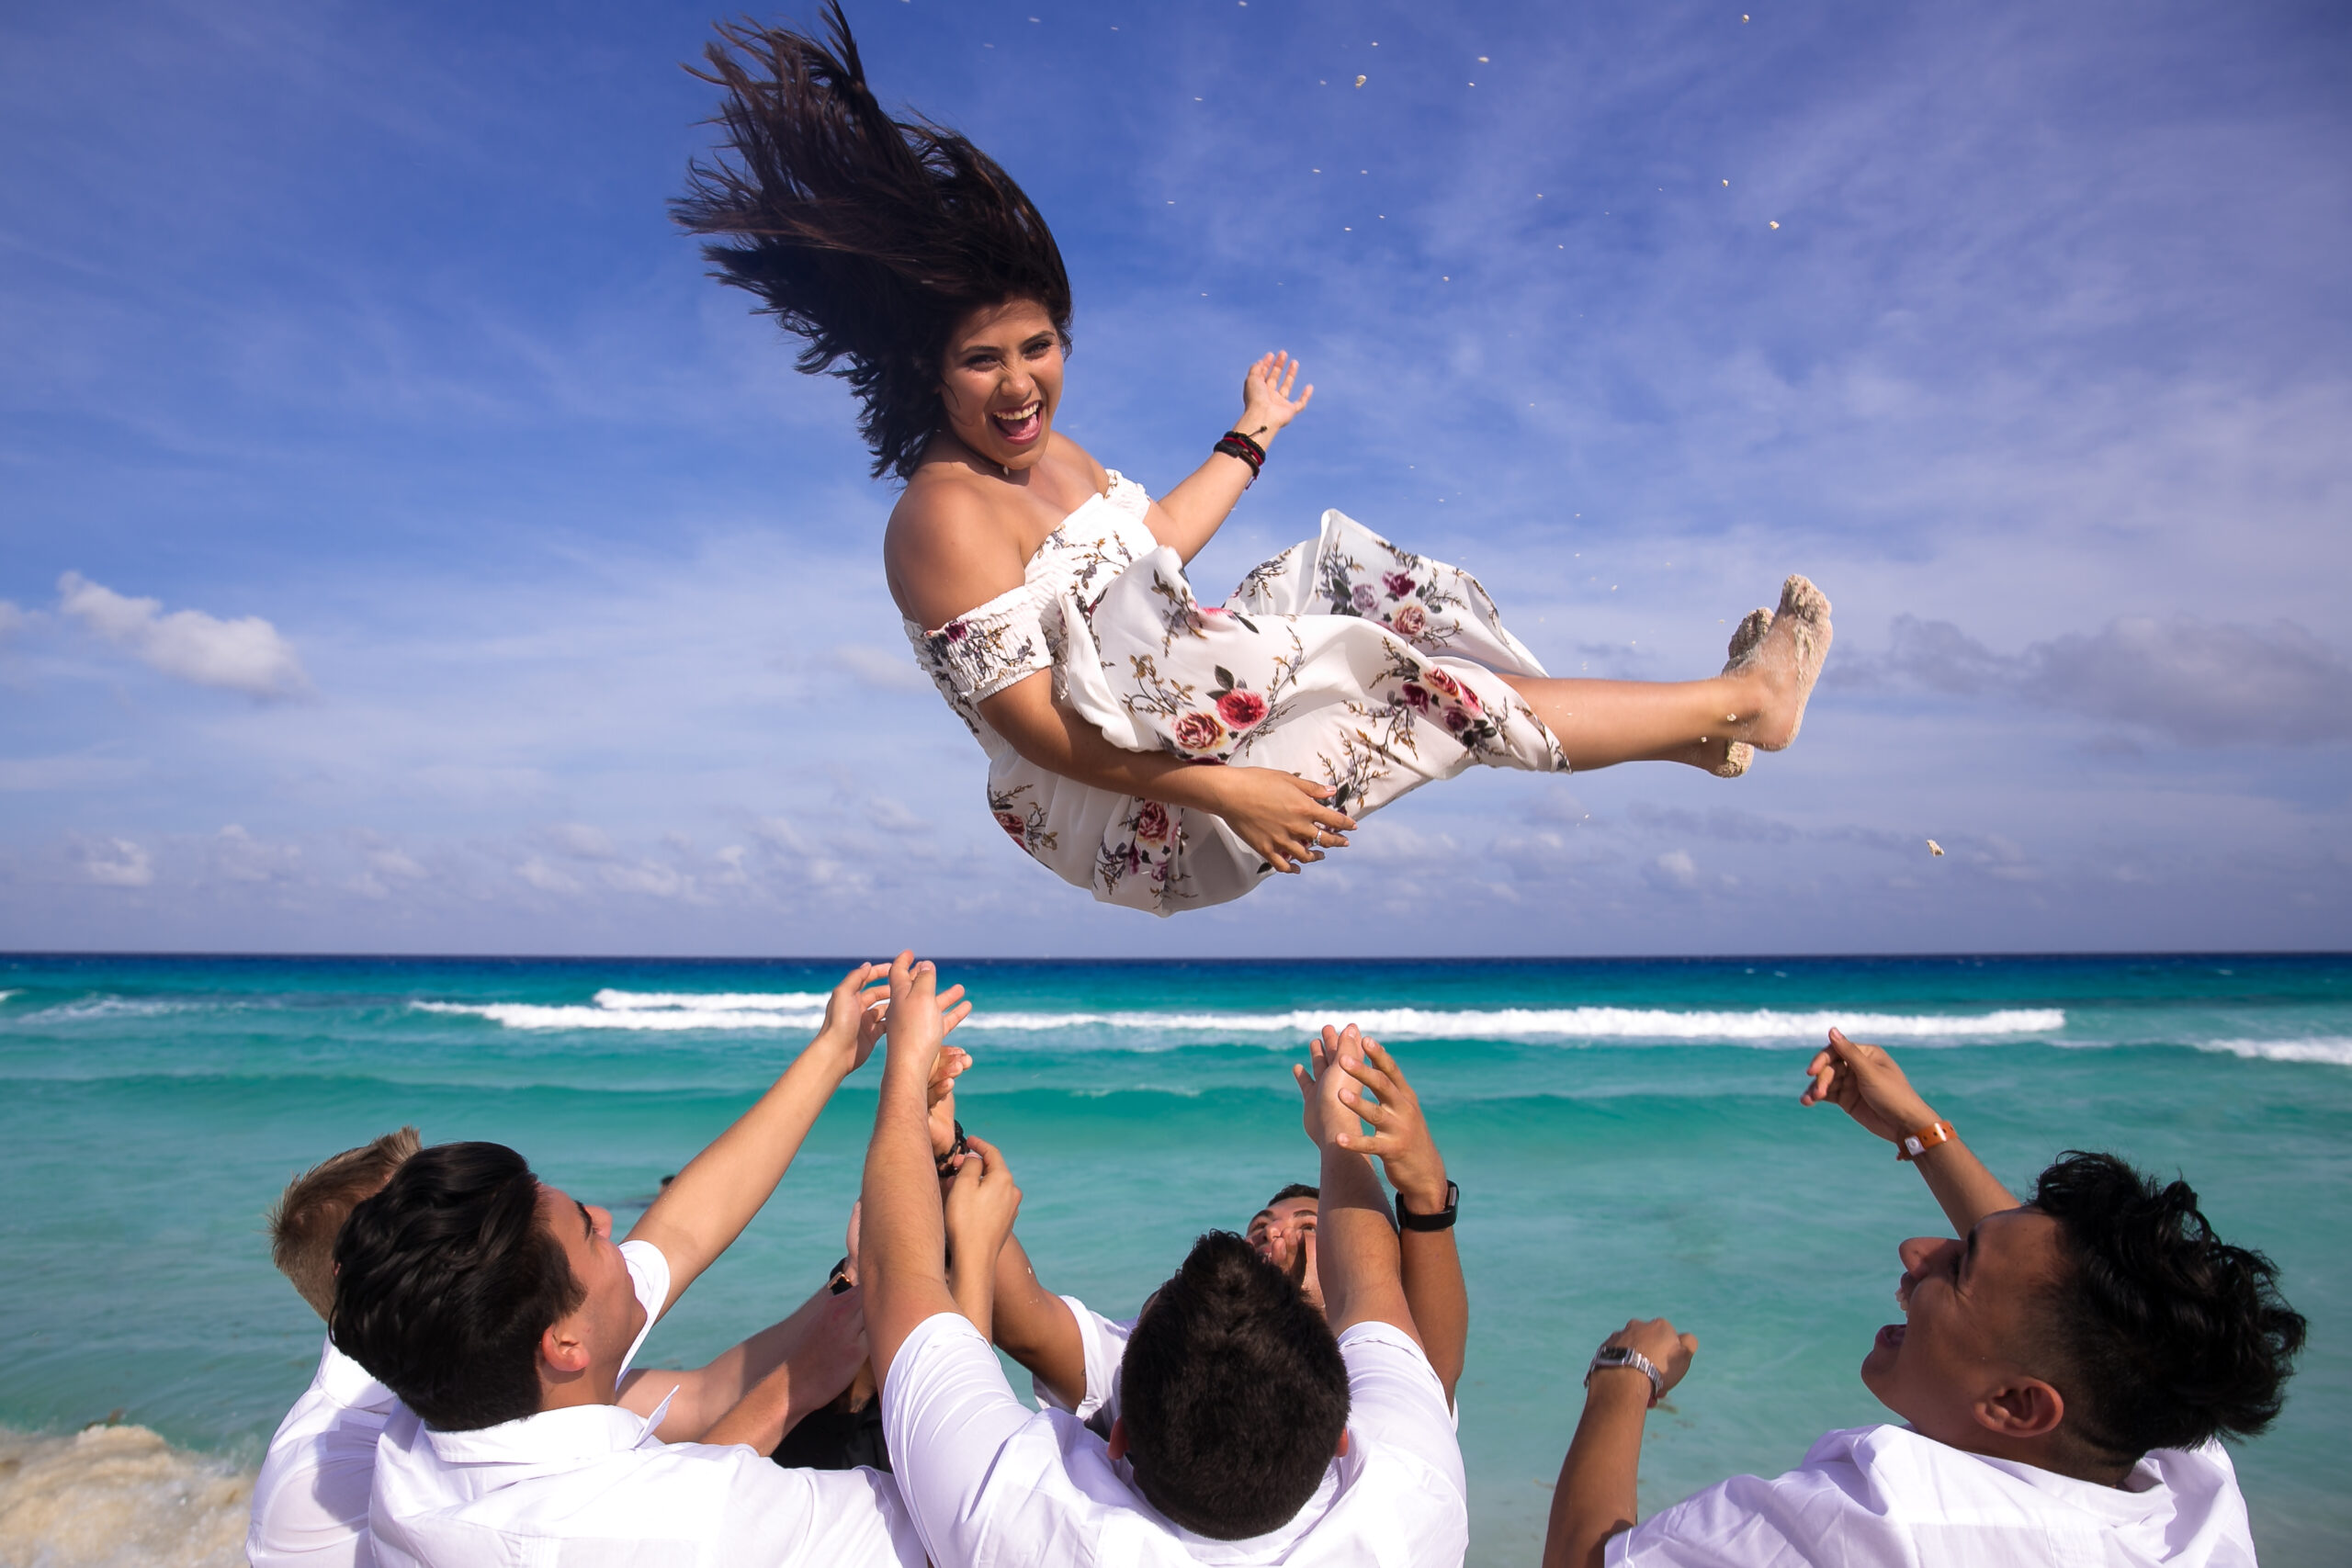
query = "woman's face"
{"x": 1001, "y": 381}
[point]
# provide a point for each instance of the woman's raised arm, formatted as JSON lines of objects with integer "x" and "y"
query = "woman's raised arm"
{"x": 1189, "y": 515}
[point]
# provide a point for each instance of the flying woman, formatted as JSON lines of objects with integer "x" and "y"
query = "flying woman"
{"x": 1165, "y": 753}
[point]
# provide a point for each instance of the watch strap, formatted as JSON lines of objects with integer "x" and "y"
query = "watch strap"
{"x": 1610, "y": 1356}
{"x": 1442, "y": 1220}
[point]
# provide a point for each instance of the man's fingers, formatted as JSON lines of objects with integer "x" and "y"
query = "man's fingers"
{"x": 993, "y": 1155}
{"x": 955, "y": 1016}
{"x": 1691, "y": 1344}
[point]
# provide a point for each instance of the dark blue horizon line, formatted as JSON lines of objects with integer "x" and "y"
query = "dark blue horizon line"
{"x": 2168, "y": 954}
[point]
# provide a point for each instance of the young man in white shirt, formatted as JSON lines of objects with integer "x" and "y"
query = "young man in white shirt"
{"x": 1249, "y": 1431}
{"x": 310, "y": 1499}
{"x": 1073, "y": 1353}
{"x": 2064, "y": 1369}
{"x": 503, "y": 1315}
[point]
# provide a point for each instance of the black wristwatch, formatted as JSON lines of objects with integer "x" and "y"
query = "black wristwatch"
{"x": 1440, "y": 1221}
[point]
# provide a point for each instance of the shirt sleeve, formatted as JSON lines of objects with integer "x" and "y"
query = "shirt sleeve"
{"x": 1395, "y": 1402}
{"x": 947, "y": 1413}
{"x": 1104, "y": 1341}
{"x": 982, "y": 651}
{"x": 648, "y": 1270}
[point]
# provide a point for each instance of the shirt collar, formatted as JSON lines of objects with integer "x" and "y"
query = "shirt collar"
{"x": 347, "y": 1383}
{"x": 552, "y": 1437}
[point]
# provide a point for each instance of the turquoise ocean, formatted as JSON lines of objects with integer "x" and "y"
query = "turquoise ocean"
{"x": 1625, "y": 1132}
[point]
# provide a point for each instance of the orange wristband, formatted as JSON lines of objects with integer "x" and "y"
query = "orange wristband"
{"x": 1911, "y": 1145}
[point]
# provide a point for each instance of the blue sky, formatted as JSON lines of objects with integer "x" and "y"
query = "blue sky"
{"x": 403, "y": 546}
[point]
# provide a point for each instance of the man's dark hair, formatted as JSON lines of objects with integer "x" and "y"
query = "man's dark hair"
{"x": 1295, "y": 1190}
{"x": 1233, "y": 1394}
{"x": 2170, "y": 1336}
{"x": 446, "y": 1279}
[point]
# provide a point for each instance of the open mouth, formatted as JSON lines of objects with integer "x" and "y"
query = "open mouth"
{"x": 1890, "y": 1336}
{"x": 1023, "y": 425}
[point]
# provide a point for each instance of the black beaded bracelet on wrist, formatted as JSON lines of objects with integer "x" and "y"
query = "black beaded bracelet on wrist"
{"x": 1233, "y": 444}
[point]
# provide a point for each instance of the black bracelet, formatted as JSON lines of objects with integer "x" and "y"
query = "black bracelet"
{"x": 1233, "y": 444}
{"x": 1440, "y": 1221}
{"x": 945, "y": 1161}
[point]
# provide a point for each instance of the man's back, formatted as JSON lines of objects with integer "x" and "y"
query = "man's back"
{"x": 592, "y": 1484}
{"x": 1886, "y": 1494}
{"x": 989, "y": 1480}
{"x": 311, "y": 1500}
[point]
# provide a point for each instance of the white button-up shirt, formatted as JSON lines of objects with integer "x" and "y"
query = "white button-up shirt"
{"x": 1885, "y": 1495}
{"x": 591, "y": 1486}
{"x": 310, "y": 1499}
{"x": 991, "y": 1481}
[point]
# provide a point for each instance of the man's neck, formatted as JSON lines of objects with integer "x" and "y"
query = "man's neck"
{"x": 2055, "y": 1454}
{"x": 597, "y": 1385}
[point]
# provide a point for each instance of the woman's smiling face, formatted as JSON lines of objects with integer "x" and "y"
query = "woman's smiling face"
{"x": 1001, "y": 380}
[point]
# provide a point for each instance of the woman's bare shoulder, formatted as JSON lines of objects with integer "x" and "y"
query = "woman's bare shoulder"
{"x": 950, "y": 546}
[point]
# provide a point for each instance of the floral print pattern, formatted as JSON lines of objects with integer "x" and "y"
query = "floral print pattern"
{"x": 1344, "y": 660}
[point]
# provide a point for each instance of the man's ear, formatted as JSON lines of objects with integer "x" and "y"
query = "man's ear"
{"x": 1118, "y": 1440}
{"x": 1342, "y": 1451}
{"x": 563, "y": 1349}
{"x": 2023, "y": 1407}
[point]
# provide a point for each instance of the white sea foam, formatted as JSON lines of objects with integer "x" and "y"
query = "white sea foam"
{"x": 6, "y": 995}
{"x": 721, "y": 1001}
{"x": 118, "y": 1497}
{"x": 116, "y": 1006}
{"x": 690, "y": 1012}
{"x": 2334, "y": 1050}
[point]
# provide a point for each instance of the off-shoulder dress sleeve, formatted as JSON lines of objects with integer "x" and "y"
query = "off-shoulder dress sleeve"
{"x": 984, "y": 650}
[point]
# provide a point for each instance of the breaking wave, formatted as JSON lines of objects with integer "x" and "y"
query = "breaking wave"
{"x": 686, "y": 1011}
{"x": 2334, "y": 1050}
{"x": 118, "y": 1498}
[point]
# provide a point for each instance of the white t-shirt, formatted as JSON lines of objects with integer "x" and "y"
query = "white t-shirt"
{"x": 591, "y": 1486}
{"x": 310, "y": 1499}
{"x": 1872, "y": 1495}
{"x": 991, "y": 1480}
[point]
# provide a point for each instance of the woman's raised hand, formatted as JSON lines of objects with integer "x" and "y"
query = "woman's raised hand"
{"x": 1279, "y": 815}
{"x": 1266, "y": 403}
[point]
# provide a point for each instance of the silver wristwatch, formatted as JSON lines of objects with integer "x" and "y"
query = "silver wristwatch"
{"x": 1627, "y": 1356}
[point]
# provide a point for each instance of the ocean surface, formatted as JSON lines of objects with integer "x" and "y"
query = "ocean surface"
{"x": 1625, "y": 1132}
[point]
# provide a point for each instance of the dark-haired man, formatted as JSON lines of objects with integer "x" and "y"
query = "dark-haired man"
{"x": 501, "y": 1312}
{"x": 1073, "y": 1353}
{"x": 2064, "y": 1368}
{"x": 1252, "y": 1427}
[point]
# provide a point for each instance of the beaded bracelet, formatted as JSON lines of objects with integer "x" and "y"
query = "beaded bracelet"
{"x": 1233, "y": 444}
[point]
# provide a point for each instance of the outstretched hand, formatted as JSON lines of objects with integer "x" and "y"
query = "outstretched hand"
{"x": 875, "y": 1020}
{"x": 1321, "y": 1080}
{"x": 1266, "y": 403}
{"x": 944, "y": 1071}
{"x": 1280, "y": 816}
{"x": 1400, "y": 1134}
{"x": 1863, "y": 1081}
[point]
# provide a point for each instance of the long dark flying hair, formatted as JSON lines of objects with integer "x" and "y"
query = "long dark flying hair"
{"x": 867, "y": 236}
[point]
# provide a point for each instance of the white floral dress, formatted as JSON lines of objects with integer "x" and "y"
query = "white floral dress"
{"x": 1343, "y": 659}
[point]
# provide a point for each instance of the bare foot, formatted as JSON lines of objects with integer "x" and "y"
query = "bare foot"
{"x": 1782, "y": 668}
{"x": 1745, "y": 638}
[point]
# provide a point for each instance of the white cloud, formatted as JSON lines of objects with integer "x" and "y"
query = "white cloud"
{"x": 545, "y": 877}
{"x": 243, "y": 655}
{"x": 240, "y": 857}
{"x": 582, "y": 842}
{"x": 12, "y": 619}
{"x": 1675, "y": 869}
{"x": 117, "y": 863}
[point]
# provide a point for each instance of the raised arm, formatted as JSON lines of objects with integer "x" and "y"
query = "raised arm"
{"x": 1355, "y": 1250}
{"x": 1430, "y": 1264}
{"x": 756, "y": 1391}
{"x": 1189, "y": 515}
{"x": 702, "y": 1212}
{"x": 1863, "y": 1081}
{"x": 1034, "y": 1327}
{"x": 902, "y": 1231}
{"x": 1594, "y": 1498}
{"x": 981, "y": 1202}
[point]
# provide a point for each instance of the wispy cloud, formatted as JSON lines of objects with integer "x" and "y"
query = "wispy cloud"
{"x": 245, "y": 655}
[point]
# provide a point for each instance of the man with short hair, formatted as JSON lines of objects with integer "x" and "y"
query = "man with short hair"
{"x": 2064, "y": 1369}
{"x": 503, "y": 1313}
{"x": 310, "y": 1499}
{"x": 1250, "y": 1427}
{"x": 1073, "y": 1353}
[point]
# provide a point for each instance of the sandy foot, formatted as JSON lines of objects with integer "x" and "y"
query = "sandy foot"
{"x": 1786, "y": 662}
{"x": 1745, "y": 638}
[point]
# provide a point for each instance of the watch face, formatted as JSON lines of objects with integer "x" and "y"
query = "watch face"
{"x": 1614, "y": 1356}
